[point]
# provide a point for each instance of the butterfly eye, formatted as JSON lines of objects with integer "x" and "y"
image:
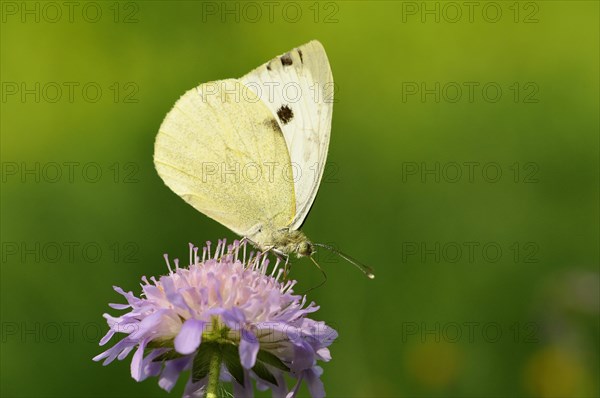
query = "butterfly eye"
{"x": 304, "y": 249}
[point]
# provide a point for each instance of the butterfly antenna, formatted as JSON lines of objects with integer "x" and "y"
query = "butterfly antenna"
{"x": 322, "y": 272}
{"x": 368, "y": 271}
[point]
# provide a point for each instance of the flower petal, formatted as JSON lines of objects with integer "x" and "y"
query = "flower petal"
{"x": 304, "y": 356}
{"x": 294, "y": 391}
{"x": 171, "y": 372}
{"x": 189, "y": 337}
{"x": 117, "y": 306}
{"x": 245, "y": 391}
{"x": 315, "y": 385}
{"x": 125, "y": 352}
{"x": 278, "y": 390}
{"x": 324, "y": 354}
{"x": 114, "y": 351}
{"x": 136, "y": 361}
{"x": 195, "y": 390}
{"x": 249, "y": 347}
{"x": 147, "y": 325}
{"x": 107, "y": 337}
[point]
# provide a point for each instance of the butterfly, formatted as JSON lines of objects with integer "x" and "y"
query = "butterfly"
{"x": 250, "y": 152}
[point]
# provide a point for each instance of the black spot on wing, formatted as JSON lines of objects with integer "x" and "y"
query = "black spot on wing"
{"x": 285, "y": 114}
{"x": 300, "y": 54}
{"x": 286, "y": 60}
{"x": 269, "y": 66}
{"x": 272, "y": 124}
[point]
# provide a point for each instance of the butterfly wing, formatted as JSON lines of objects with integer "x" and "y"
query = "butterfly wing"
{"x": 221, "y": 150}
{"x": 298, "y": 89}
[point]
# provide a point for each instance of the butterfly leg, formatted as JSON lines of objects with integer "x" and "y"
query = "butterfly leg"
{"x": 286, "y": 265}
{"x": 281, "y": 256}
{"x": 246, "y": 239}
{"x": 286, "y": 268}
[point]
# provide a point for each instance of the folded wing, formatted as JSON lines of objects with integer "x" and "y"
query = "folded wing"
{"x": 223, "y": 152}
{"x": 297, "y": 87}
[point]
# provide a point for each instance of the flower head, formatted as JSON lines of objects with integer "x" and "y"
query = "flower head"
{"x": 227, "y": 308}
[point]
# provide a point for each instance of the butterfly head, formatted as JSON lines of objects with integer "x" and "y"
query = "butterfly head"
{"x": 304, "y": 249}
{"x": 289, "y": 242}
{"x": 292, "y": 242}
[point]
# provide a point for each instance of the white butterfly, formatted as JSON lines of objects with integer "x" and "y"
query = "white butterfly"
{"x": 250, "y": 152}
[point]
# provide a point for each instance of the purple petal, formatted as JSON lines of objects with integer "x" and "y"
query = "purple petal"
{"x": 278, "y": 390}
{"x": 303, "y": 356}
{"x": 148, "y": 325}
{"x": 101, "y": 356}
{"x": 136, "y": 361}
{"x": 107, "y": 337}
{"x": 131, "y": 299}
{"x": 119, "y": 306}
{"x": 324, "y": 354}
{"x": 245, "y": 391}
{"x": 149, "y": 367}
{"x": 195, "y": 390}
{"x": 315, "y": 385}
{"x": 248, "y": 349}
{"x": 174, "y": 296}
{"x": 294, "y": 391}
{"x": 318, "y": 334}
{"x": 114, "y": 351}
{"x": 225, "y": 374}
{"x": 190, "y": 336}
{"x": 171, "y": 373}
{"x": 233, "y": 316}
{"x": 153, "y": 292}
{"x": 125, "y": 352}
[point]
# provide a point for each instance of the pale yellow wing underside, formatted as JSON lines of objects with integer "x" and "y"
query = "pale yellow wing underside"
{"x": 223, "y": 152}
{"x": 301, "y": 82}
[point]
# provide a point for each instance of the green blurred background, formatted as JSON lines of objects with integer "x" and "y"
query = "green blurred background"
{"x": 486, "y": 285}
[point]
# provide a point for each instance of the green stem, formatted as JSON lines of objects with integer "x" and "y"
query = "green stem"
{"x": 214, "y": 371}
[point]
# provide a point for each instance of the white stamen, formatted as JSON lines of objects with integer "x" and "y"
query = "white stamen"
{"x": 224, "y": 247}
{"x": 275, "y": 266}
{"x": 208, "y": 249}
{"x": 244, "y": 260}
{"x": 279, "y": 272}
{"x": 166, "y": 256}
{"x": 196, "y": 256}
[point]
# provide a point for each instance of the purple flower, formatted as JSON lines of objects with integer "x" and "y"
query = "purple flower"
{"x": 221, "y": 304}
